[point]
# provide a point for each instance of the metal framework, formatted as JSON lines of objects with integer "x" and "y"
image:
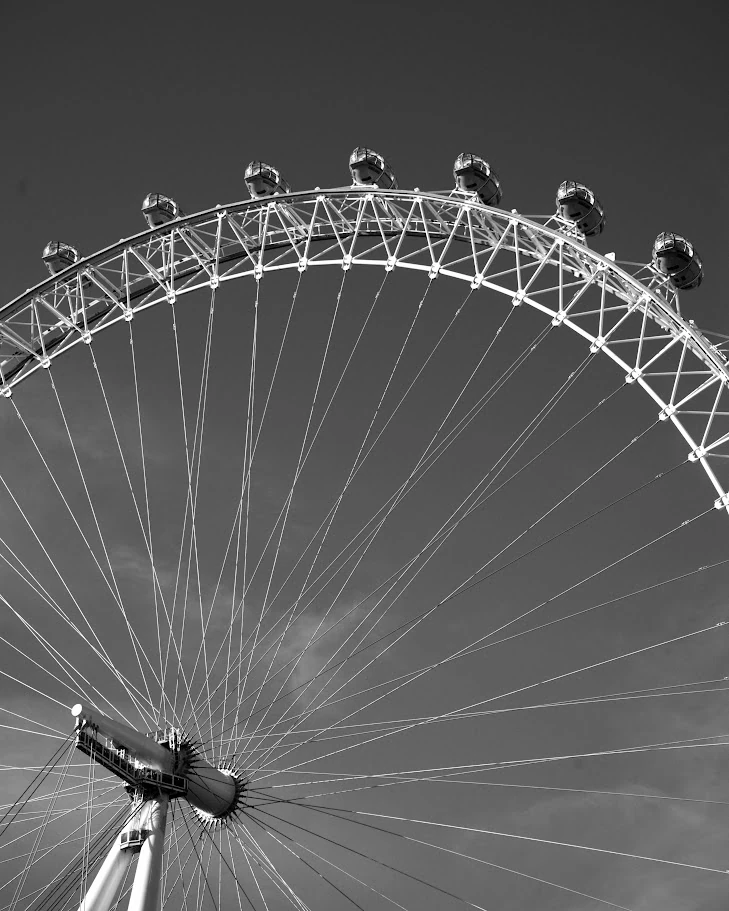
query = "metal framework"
{"x": 155, "y": 770}
{"x": 632, "y": 316}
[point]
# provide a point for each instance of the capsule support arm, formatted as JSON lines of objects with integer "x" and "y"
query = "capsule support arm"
{"x": 145, "y": 749}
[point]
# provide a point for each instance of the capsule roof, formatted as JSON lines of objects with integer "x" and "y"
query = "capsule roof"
{"x": 256, "y": 168}
{"x": 264, "y": 179}
{"x": 668, "y": 241}
{"x": 467, "y": 161}
{"x": 158, "y": 209}
{"x": 57, "y": 247}
{"x": 473, "y": 174}
{"x": 570, "y": 189}
{"x": 678, "y": 260}
{"x": 578, "y": 204}
{"x": 158, "y": 199}
{"x": 370, "y": 168}
{"x": 362, "y": 153}
{"x": 59, "y": 256}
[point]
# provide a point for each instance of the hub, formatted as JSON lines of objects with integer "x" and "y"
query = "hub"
{"x": 163, "y": 761}
{"x": 210, "y": 819}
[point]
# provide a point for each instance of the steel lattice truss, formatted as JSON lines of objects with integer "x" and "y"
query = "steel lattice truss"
{"x": 629, "y": 313}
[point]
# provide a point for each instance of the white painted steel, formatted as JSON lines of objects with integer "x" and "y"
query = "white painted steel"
{"x": 103, "y": 891}
{"x": 146, "y": 891}
{"x": 209, "y": 790}
{"x": 145, "y": 749}
{"x": 638, "y": 323}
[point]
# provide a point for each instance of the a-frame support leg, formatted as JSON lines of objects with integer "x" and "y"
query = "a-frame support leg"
{"x": 103, "y": 891}
{"x": 146, "y": 891}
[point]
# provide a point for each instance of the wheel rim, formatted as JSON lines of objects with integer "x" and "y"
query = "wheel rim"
{"x": 669, "y": 358}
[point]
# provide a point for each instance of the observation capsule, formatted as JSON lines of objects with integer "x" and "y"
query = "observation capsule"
{"x": 578, "y": 204}
{"x": 368, "y": 169}
{"x": 264, "y": 180}
{"x": 159, "y": 209}
{"x": 675, "y": 257}
{"x": 59, "y": 256}
{"x": 474, "y": 175}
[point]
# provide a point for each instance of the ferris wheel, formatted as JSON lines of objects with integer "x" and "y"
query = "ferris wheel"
{"x": 391, "y": 584}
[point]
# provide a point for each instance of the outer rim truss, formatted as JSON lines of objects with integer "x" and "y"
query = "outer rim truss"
{"x": 637, "y": 323}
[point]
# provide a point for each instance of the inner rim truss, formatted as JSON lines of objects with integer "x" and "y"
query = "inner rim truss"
{"x": 637, "y": 324}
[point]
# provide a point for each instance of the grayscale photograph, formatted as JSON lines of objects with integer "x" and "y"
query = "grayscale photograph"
{"x": 364, "y": 457}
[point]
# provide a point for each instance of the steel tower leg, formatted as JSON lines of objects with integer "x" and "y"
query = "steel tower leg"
{"x": 146, "y": 891}
{"x": 103, "y": 891}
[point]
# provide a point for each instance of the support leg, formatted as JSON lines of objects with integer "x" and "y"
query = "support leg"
{"x": 103, "y": 891}
{"x": 147, "y": 880}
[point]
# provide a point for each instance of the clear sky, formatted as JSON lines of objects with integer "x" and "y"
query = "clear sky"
{"x": 102, "y": 105}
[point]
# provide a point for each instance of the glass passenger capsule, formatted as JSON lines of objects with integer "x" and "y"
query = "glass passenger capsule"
{"x": 676, "y": 258}
{"x": 578, "y": 204}
{"x": 264, "y": 180}
{"x": 368, "y": 169}
{"x": 159, "y": 209}
{"x": 59, "y": 256}
{"x": 474, "y": 175}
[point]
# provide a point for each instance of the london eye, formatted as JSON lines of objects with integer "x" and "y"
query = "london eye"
{"x": 357, "y": 521}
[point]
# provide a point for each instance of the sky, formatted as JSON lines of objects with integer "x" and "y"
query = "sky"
{"x": 102, "y": 106}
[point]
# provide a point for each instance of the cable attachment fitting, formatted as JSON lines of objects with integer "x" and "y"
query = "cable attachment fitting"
{"x": 722, "y": 502}
{"x": 697, "y": 454}
{"x": 634, "y": 374}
